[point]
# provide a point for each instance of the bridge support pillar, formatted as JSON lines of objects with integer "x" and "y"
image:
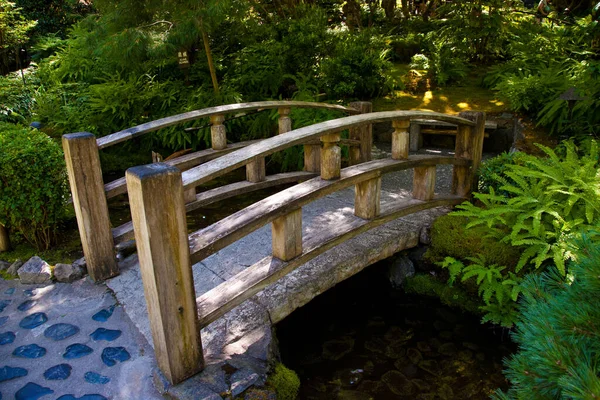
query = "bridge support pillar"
{"x": 161, "y": 236}
{"x": 363, "y": 133}
{"x": 367, "y": 198}
{"x": 287, "y": 235}
{"x": 89, "y": 201}
{"x": 218, "y": 132}
{"x": 424, "y": 183}
{"x": 400, "y": 139}
{"x": 331, "y": 156}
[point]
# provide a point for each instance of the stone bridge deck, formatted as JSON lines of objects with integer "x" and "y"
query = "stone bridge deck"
{"x": 244, "y": 337}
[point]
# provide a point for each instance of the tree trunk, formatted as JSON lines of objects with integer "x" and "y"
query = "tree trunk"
{"x": 405, "y": 10}
{"x": 4, "y": 239}
{"x": 389, "y": 7}
{"x": 428, "y": 10}
{"x": 211, "y": 65}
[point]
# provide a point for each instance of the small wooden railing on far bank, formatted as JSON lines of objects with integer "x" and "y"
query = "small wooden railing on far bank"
{"x": 166, "y": 251}
{"x": 90, "y": 194}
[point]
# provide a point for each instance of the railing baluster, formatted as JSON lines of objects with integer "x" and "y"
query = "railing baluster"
{"x": 285, "y": 122}
{"x": 367, "y": 198}
{"x": 158, "y": 213}
{"x": 255, "y": 170}
{"x": 424, "y": 183}
{"x": 89, "y": 201}
{"x": 331, "y": 156}
{"x": 287, "y": 235}
{"x": 312, "y": 158}
{"x": 218, "y": 132}
{"x": 364, "y": 133}
{"x": 400, "y": 139}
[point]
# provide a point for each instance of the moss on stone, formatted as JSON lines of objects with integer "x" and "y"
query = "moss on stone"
{"x": 451, "y": 238}
{"x": 285, "y": 382}
{"x": 428, "y": 285}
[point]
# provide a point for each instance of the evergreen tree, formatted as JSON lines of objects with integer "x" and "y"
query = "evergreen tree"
{"x": 559, "y": 334}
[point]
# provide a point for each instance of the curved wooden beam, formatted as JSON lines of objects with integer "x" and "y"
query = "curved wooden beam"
{"x": 230, "y": 229}
{"x": 223, "y": 298}
{"x": 213, "y": 169}
{"x": 147, "y": 127}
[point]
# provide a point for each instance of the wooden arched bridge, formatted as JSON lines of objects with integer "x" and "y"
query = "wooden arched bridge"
{"x": 161, "y": 193}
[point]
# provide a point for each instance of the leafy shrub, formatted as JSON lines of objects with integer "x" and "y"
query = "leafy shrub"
{"x": 553, "y": 200}
{"x": 285, "y": 382}
{"x": 419, "y": 61}
{"x": 450, "y": 238}
{"x": 34, "y": 184}
{"x": 498, "y": 288}
{"x": 492, "y": 172}
{"x": 357, "y": 68}
{"x": 558, "y": 334}
{"x": 447, "y": 64}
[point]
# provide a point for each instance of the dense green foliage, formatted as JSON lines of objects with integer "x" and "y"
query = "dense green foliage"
{"x": 34, "y": 188}
{"x": 285, "y": 382}
{"x": 558, "y": 333}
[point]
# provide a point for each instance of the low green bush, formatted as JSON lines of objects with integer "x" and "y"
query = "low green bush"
{"x": 34, "y": 188}
{"x": 451, "y": 238}
{"x": 285, "y": 382}
{"x": 558, "y": 333}
{"x": 492, "y": 172}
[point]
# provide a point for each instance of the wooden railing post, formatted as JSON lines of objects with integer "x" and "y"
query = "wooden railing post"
{"x": 331, "y": 156}
{"x": 218, "y": 132}
{"x": 364, "y": 133}
{"x": 424, "y": 183}
{"x": 158, "y": 213}
{"x": 285, "y": 122}
{"x": 367, "y": 198}
{"x": 400, "y": 139}
{"x": 4, "y": 239}
{"x": 287, "y": 235}
{"x": 89, "y": 201}
{"x": 469, "y": 145}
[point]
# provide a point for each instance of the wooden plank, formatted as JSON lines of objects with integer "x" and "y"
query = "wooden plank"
{"x": 286, "y": 233}
{"x": 125, "y": 231}
{"x": 367, "y": 198}
{"x": 161, "y": 239}
{"x": 89, "y": 201}
{"x": 152, "y": 126}
{"x": 230, "y": 229}
{"x": 424, "y": 183}
{"x": 364, "y": 134}
{"x": 443, "y": 132}
{"x": 185, "y": 162}
{"x": 229, "y": 162}
{"x": 400, "y": 139}
{"x": 223, "y": 298}
{"x": 331, "y": 156}
{"x": 491, "y": 125}
{"x": 342, "y": 142}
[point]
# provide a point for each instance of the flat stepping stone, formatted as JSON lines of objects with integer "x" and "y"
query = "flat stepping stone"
{"x": 61, "y": 331}
{"x": 3, "y": 320}
{"x": 84, "y": 397}
{"x": 33, "y": 320}
{"x": 7, "y": 338}
{"x": 112, "y": 355}
{"x": 29, "y": 293}
{"x": 4, "y": 304}
{"x": 10, "y": 291}
{"x": 29, "y": 351}
{"x": 105, "y": 334}
{"x": 77, "y": 350}
{"x": 96, "y": 378}
{"x": 103, "y": 315}
{"x": 58, "y": 372}
{"x": 7, "y": 373}
{"x": 31, "y": 391}
{"x": 26, "y": 305}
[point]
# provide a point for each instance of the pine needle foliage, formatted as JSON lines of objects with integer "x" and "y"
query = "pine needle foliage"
{"x": 559, "y": 333}
{"x": 552, "y": 200}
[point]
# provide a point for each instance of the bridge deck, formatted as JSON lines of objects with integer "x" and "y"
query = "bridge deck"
{"x": 247, "y": 330}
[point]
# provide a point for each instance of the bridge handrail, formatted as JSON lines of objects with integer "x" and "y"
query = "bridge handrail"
{"x": 152, "y": 126}
{"x": 229, "y": 162}
{"x": 165, "y": 250}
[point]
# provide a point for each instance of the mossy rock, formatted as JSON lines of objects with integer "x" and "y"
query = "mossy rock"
{"x": 428, "y": 285}
{"x": 451, "y": 238}
{"x": 285, "y": 382}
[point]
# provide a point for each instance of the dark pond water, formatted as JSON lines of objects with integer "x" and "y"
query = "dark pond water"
{"x": 364, "y": 340}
